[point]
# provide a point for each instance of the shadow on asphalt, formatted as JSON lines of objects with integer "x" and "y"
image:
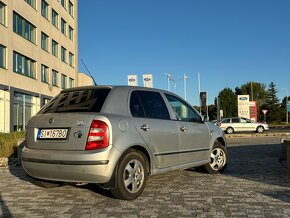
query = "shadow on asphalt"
{"x": 258, "y": 163}
{"x": 5, "y": 210}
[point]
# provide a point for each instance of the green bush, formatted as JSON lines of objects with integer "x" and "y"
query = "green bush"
{"x": 8, "y": 143}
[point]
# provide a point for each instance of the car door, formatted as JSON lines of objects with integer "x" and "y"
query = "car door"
{"x": 248, "y": 125}
{"x": 152, "y": 121}
{"x": 194, "y": 134}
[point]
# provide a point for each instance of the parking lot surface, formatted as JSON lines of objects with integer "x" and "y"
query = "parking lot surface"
{"x": 255, "y": 184}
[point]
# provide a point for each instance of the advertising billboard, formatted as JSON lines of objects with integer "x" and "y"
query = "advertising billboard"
{"x": 243, "y": 106}
{"x": 253, "y": 111}
{"x": 203, "y": 102}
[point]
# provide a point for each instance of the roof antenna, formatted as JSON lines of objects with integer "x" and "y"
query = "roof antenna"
{"x": 89, "y": 73}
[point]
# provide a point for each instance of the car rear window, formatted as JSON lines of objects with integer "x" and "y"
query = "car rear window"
{"x": 90, "y": 100}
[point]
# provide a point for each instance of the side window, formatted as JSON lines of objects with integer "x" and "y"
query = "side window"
{"x": 152, "y": 104}
{"x": 182, "y": 110}
{"x": 135, "y": 106}
{"x": 235, "y": 120}
{"x": 226, "y": 120}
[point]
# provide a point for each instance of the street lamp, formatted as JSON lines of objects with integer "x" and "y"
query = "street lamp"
{"x": 185, "y": 78}
{"x": 169, "y": 78}
{"x": 286, "y": 105}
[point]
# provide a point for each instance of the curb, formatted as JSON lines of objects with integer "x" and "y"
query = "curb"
{"x": 258, "y": 135}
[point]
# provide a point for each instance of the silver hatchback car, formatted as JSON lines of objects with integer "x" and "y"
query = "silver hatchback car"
{"x": 116, "y": 136}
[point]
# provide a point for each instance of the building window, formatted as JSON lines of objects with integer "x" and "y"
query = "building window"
{"x": 63, "y": 81}
{"x": 44, "y": 74}
{"x": 44, "y": 41}
{"x": 23, "y": 108}
{"x": 63, "y": 54}
{"x": 2, "y": 14}
{"x": 23, "y": 28}
{"x": 54, "y": 48}
{"x": 31, "y": 3}
{"x": 63, "y": 3}
{"x": 71, "y": 82}
{"x": 70, "y": 33}
{"x": 23, "y": 65}
{"x": 54, "y": 78}
{"x": 54, "y": 18}
{"x": 63, "y": 26}
{"x": 2, "y": 56}
{"x": 71, "y": 59}
{"x": 44, "y": 9}
{"x": 71, "y": 8}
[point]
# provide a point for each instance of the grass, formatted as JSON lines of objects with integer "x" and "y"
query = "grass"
{"x": 8, "y": 143}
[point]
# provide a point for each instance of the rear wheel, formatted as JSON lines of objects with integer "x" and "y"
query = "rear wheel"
{"x": 230, "y": 130}
{"x": 218, "y": 159}
{"x": 260, "y": 129}
{"x": 131, "y": 176}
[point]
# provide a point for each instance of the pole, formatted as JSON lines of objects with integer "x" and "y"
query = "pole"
{"x": 252, "y": 90}
{"x": 168, "y": 80}
{"x": 287, "y": 106}
{"x": 198, "y": 78}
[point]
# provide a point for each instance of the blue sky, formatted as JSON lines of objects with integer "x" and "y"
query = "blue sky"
{"x": 229, "y": 42}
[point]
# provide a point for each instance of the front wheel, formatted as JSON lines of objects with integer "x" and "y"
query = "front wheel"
{"x": 131, "y": 176}
{"x": 260, "y": 129}
{"x": 218, "y": 159}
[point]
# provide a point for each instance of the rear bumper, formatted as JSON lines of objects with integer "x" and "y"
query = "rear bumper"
{"x": 71, "y": 166}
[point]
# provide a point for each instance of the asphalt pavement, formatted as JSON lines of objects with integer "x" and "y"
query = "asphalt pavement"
{"x": 255, "y": 184}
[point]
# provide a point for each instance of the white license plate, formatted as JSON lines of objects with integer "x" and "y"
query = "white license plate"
{"x": 52, "y": 133}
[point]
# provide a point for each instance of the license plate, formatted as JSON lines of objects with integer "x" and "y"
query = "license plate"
{"x": 52, "y": 134}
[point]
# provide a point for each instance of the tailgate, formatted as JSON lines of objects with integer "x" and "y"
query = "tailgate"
{"x": 59, "y": 131}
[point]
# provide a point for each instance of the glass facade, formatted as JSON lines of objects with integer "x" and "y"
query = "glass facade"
{"x": 54, "y": 78}
{"x": 44, "y": 74}
{"x": 31, "y": 3}
{"x": 23, "y": 65}
{"x": 54, "y": 18}
{"x": 71, "y": 59}
{"x": 54, "y": 48}
{"x": 70, "y": 33}
{"x": 2, "y": 56}
{"x": 44, "y": 41}
{"x": 44, "y": 9}
{"x": 63, "y": 54}
{"x": 63, "y": 26}
{"x": 63, "y": 81}
{"x": 71, "y": 83}
{"x": 22, "y": 110}
{"x": 2, "y": 14}
{"x": 23, "y": 28}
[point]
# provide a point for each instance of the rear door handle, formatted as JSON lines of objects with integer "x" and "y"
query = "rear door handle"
{"x": 145, "y": 127}
{"x": 183, "y": 128}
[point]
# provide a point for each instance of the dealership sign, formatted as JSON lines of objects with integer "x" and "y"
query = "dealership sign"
{"x": 243, "y": 106}
{"x": 132, "y": 80}
{"x": 148, "y": 80}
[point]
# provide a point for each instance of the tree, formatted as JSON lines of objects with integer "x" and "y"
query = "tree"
{"x": 228, "y": 102}
{"x": 272, "y": 104}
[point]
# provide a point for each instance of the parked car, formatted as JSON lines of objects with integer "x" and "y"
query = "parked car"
{"x": 240, "y": 124}
{"x": 116, "y": 136}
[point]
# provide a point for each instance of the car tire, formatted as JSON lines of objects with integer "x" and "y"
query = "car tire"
{"x": 229, "y": 130}
{"x": 260, "y": 129}
{"x": 131, "y": 176}
{"x": 47, "y": 184}
{"x": 219, "y": 159}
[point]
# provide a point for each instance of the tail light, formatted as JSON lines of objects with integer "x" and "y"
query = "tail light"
{"x": 98, "y": 136}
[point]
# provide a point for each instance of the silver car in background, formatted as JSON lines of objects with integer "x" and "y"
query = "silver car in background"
{"x": 116, "y": 136}
{"x": 240, "y": 124}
